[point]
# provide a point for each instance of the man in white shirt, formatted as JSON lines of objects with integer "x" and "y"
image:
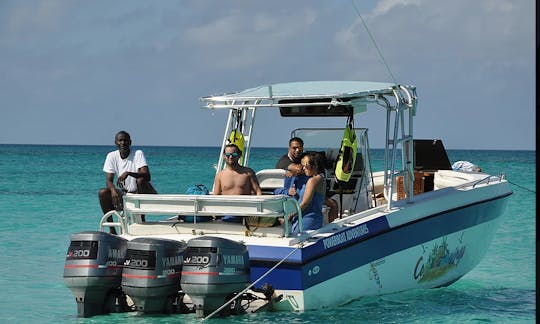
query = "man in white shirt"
{"x": 132, "y": 171}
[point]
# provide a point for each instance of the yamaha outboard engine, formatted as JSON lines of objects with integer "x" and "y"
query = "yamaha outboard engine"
{"x": 214, "y": 270}
{"x": 151, "y": 276}
{"x": 93, "y": 272}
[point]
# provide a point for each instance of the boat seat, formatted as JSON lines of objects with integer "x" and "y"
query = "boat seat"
{"x": 450, "y": 178}
{"x": 169, "y": 227}
{"x": 270, "y": 179}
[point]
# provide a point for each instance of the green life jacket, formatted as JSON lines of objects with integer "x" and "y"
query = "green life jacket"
{"x": 347, "y": 155}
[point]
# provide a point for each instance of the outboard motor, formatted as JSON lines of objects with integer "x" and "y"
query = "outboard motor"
{"x": 214, "y": 270}
{"x": 93, "y": 272}
{"x": 151, "y": 276}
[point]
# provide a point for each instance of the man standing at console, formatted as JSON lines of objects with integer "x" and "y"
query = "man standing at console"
{"x": 296, "y": 148}
{"x": 132, "y": 171}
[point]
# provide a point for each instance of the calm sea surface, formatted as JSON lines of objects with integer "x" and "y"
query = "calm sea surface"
{"x": 50, "y": 192}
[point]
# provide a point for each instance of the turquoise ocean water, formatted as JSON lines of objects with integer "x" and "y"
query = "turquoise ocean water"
{"x": 50, "y": 192}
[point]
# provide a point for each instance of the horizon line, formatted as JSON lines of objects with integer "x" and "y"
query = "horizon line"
{"x": 255, "y": 147}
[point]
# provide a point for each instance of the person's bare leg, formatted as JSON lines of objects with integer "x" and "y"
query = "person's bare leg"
{"x": 105, "y": 201}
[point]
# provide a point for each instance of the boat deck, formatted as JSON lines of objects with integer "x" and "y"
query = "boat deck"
{"x": 164, "y": 213}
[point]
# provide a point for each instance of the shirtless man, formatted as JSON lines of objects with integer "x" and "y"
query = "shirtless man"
{"x": 235, "y": 179}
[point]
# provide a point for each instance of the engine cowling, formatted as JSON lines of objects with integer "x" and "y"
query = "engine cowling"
{"x": 214, "y": 270}
{"x": 152, "y": 271}
{"x": 93, "y": 272}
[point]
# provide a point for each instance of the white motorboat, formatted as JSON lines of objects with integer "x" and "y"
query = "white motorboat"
{"x": 414, "y": 224}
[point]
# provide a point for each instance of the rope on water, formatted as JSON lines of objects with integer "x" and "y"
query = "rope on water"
{"x": 522, "y": 187}
{"x": 253, "y": 284}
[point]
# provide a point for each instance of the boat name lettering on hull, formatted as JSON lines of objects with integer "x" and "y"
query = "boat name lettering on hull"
{"x": 348, "y": 235}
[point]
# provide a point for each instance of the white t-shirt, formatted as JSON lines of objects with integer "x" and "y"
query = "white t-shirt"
{"x": 115, "y": 164}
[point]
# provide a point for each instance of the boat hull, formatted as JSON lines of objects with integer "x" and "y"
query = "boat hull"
{"x": 433, "y": 251}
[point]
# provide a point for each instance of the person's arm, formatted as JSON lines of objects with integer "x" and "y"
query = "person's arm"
{"x": 217, "y": 184}
{"x": 292, "y": 188}
{"x": 142, "y": 168}
{"x": 142, "y": 172}
{"x": 109, "y": 183}
{"x": 255, "y": 183}
{"x": 294, "y": 169}
{"x": 110, "y": 169}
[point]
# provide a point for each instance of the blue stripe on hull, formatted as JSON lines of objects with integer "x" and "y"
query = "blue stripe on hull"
{"x": 348, "y": 254}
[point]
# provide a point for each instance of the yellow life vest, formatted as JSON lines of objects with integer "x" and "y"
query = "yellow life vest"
{"x": 237, "y": 138}
{"x": 347, "y": 155}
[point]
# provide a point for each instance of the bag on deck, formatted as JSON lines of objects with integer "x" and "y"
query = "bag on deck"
{"x": 261, "y": 221}
{"x": 199, "y": 189}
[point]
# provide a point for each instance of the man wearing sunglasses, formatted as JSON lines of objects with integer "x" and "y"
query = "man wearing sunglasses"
{"x": 235, "y": 179}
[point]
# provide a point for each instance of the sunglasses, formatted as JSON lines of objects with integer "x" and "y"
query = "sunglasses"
{"x": 228, "y": 155}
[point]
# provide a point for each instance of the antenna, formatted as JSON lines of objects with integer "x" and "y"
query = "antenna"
{"x": 374, "y": 42}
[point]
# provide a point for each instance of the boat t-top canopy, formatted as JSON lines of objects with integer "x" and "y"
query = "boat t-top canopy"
{"x": 328, "y": 99}
{"x": 354, "y": 94}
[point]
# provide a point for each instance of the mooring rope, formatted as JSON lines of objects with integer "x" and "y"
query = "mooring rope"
{"x": 253, "y": 284}
{"x": 522, "y": 187}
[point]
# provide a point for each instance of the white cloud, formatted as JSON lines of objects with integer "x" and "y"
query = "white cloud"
{"x": 384, "y": 6}
{"x": 466, "y": 57}
{"x": 410, "y": 32}
{"x": 31, "y": 16}
{"x": 243, "y": 41}
{"x": 108, "y": 57}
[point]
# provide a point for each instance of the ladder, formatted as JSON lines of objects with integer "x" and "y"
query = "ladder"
{"x": 399, "y": 135}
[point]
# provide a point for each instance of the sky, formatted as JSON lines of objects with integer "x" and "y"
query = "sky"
{"x": 76, "y": 72}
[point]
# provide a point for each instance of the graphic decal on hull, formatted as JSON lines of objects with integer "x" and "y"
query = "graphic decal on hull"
{"x": 439, "y": 261}
{"x": 315, "y": 270}
{"x": 374, "y": 274}
{"x": 292, "y": 301}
